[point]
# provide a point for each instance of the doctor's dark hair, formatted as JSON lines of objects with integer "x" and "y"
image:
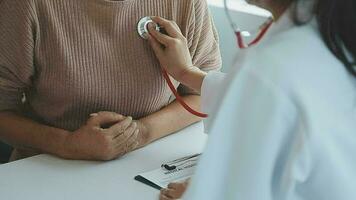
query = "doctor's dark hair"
{"x": 337, "y": 25}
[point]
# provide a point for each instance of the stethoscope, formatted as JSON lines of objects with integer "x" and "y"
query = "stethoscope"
{"x": 142, "y": 29}
{"x": 263, "y": 29}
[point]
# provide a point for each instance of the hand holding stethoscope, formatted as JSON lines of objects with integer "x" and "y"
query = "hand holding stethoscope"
{"x": 172, "y": 51}
{"x": 171, "y": 48}
{"x": 162, "y": 43}
{"x": 173, "y": 54}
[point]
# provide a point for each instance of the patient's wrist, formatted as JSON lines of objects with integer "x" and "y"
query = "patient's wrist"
{"x": 145, "y": 136}
{"x": 64, "y": 148}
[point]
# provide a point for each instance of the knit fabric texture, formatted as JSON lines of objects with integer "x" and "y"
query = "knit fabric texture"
{"x": 70, "y": 58}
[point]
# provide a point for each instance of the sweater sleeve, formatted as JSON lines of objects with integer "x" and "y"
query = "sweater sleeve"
{"x": 203, "y": 41}
{"x": 17, "y": 33}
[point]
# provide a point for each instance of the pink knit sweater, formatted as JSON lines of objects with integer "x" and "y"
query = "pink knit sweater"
{"x": 74, "y": 57}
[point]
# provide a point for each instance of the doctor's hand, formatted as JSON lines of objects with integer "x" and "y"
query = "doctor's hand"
{"x": 174, "y": 191}
{"x": 105, "y": 136}
{"x": 172, "y": 49}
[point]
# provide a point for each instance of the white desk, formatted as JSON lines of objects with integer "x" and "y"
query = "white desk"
{"x": 49, "y": 178}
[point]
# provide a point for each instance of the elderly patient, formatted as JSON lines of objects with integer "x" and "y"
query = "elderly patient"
{"x": 78, "y": 82}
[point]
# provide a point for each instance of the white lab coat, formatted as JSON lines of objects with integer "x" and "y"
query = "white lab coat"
{"x": 283, "y": 123}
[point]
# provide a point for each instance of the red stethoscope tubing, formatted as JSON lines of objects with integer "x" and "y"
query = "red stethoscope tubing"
{"x": 241, "y": 45}
{"x": 179, "y": 98}
{"x": 259, "y": 37}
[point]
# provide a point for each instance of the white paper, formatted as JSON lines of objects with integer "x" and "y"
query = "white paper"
{"x": 163, "y": 177}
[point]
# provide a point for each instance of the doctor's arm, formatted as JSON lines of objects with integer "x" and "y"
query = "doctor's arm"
{"x": 201, "y": 48}
{"x": 173, "y": 54}
{"x": 257, "y": 144}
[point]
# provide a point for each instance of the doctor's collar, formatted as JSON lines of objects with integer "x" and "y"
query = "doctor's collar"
{"x": 287, "y": 20}
{"x": 298, "y": 13}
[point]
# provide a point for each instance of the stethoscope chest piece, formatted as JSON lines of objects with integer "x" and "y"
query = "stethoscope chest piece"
{"x": 142, "y": 27}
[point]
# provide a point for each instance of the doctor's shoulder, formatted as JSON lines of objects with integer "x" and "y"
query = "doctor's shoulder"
{"x": 298, "y": 54}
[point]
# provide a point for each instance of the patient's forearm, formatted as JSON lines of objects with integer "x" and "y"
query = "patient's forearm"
{"x": 172, "y": 118}
{"x": 21, "y": 132}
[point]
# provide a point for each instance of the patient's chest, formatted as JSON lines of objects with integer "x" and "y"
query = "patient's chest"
{"x": 95, "y": 62}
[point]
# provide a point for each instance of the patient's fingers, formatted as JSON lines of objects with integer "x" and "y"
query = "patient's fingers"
{"x": 103, "y": 118}
{"x": 128, "y": 142}
{"x": 117, "y": 129}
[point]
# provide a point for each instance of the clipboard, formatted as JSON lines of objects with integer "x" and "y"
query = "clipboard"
{"x": 147, "y": 182}
{"x": 177, "y": 170}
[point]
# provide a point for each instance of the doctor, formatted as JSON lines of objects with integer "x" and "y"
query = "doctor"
{"x": 283, "y": 122}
